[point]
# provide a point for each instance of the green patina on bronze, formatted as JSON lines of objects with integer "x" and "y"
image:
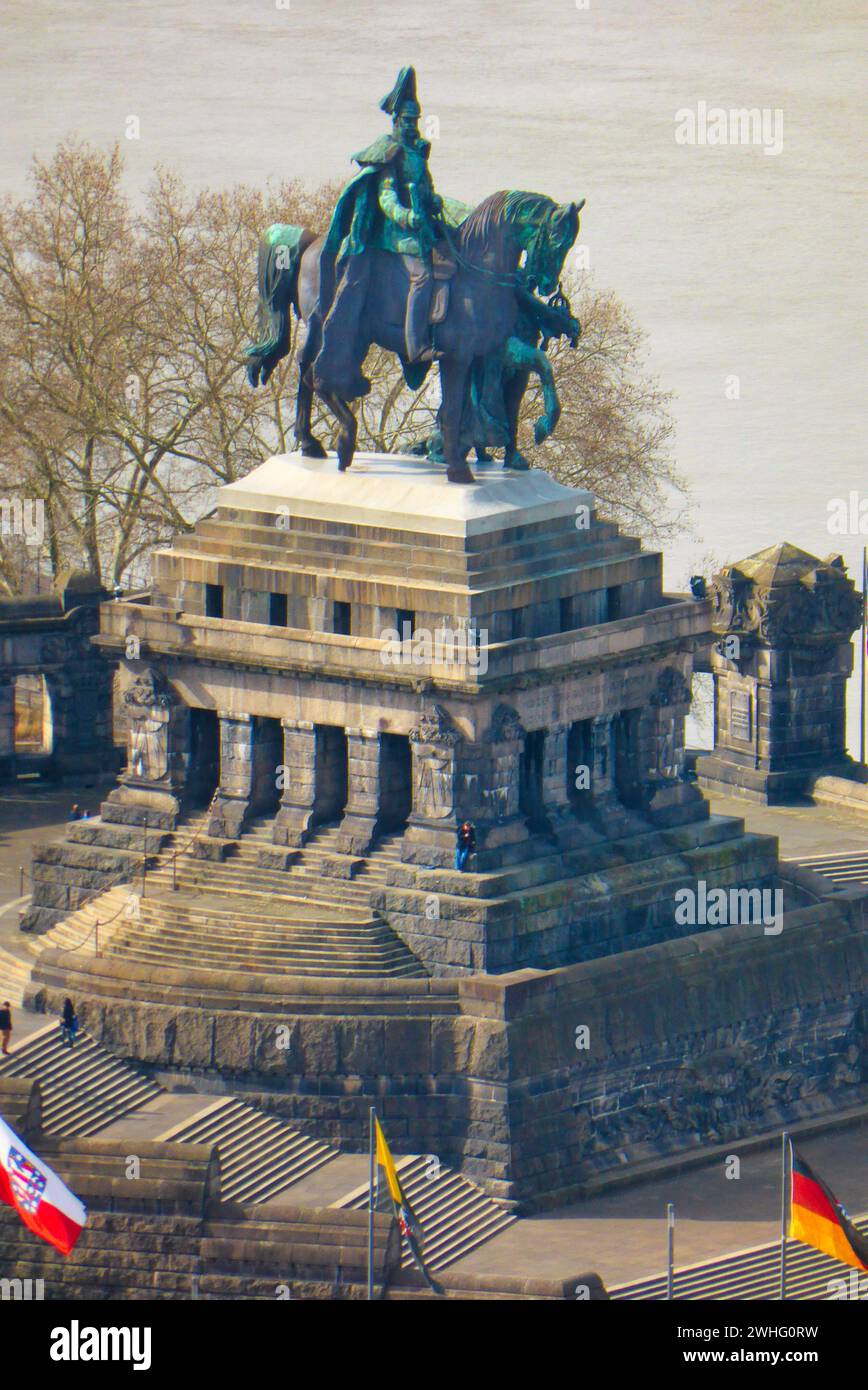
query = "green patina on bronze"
{"x": 370, "y": 280}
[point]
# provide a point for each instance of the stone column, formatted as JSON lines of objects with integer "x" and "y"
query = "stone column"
{"x": 358, "y": 828}
{"x": 7, "y": 726}
{"x": 236, "y": 772}
{"x": 295, "y": 817}
{"x": 604, "y": 795}
{"x": 556, "y": 797}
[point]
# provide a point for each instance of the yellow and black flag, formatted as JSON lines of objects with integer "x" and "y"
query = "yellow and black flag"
{"x": 818, "y": 1219}
{"x": 404, "y": 1213}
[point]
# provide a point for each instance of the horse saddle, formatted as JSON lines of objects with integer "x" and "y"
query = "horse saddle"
{"x": 444, "y": 266}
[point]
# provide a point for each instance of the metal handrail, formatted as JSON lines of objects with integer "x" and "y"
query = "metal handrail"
{"x": 129, "y": 872}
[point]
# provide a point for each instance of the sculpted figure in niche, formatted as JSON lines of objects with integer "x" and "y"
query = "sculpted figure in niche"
{"x": 148, "y": 708}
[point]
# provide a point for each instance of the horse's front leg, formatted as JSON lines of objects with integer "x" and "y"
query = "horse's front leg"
{"x": 547, "y": 423}
{"x": 453, "y": 385}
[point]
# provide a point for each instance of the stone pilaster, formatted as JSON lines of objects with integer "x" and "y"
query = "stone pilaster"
{"x": 157, "y": 727}
{"x": 360, "y": 823}
{"x": 295, "y": 817}
{"x": 668, "y": 798}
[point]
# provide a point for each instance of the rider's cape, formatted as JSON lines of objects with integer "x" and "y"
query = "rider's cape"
{"x": 354, "y": 220}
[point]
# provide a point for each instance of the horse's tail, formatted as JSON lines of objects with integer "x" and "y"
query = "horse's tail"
{"x": 280, "y": 253}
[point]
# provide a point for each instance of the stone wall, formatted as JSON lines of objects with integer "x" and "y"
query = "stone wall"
{"x": 723, "y": 1034}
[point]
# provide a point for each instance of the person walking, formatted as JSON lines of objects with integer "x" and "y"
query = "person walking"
{"x": 6, "y": 1026}
{"x": 69, "y": 1023}
{"x": 465, "y": 845}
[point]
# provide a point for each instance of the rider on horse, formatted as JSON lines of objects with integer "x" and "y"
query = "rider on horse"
{"x": 390, "y": 205}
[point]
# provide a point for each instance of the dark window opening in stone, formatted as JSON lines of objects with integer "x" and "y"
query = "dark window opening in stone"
{"x": 516, "y": 623}
{"x": 213, "y": 600}
{"x": 33, "y": 734}
{"x": 530, "y": 780}
{"x": 266, "y": 786}
{"x": 566, "y": 622}
{"x": 396, "y": 795}
{"x": 277, "y": 610}
{"x": 613, "y": 604}
{"x": 341, "y": 618}
{"x": 579, "y": 766}
{"x": 204, "y": 756}
{"x": 330, "y": 773}
{"x": 405, "y": 622}
{"x": 628, "y": 780}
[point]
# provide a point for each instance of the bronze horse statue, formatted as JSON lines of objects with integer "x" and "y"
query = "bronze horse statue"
{"x": 505, "y": 230}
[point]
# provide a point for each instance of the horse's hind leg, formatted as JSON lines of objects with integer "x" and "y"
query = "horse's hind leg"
{"x": 309, "y": 446}
{"x": 347, "y": 431}
{"x": 453, "y": 384}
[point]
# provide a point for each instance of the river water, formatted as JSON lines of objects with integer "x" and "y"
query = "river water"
{"x": 742, "y": 265}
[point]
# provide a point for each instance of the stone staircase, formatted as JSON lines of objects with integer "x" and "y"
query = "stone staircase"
{"x": 14, "y": 977}
{"x": 751, "y": 1274}
{"x": 199, "y": 930}
{"x": 455, "y": 1215}
{"x": 236, "y": 913}
{"x": 260, "y": 1155}
{"x": 84, "y": 1088}
{"x": 306, "y": 875}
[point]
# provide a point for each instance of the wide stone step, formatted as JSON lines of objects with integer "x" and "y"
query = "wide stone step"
{"x": 265, "y": 931}
{"x": 249, "y": 885}
{"x": 333, "y": 994}
{"x": 169, "y": 942}
{"x": 326, "y": 969}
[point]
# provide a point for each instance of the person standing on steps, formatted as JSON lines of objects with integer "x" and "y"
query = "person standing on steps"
{"x": 465, "y": 845}
{"x": 69, "y": 1023}
{"x": 6, "y": 1026}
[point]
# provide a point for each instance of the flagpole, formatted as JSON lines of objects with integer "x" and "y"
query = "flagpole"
{"x": 371, "y": 1117}
{"x": 785, "y": 1140}
{"x": 670, "y": 1250}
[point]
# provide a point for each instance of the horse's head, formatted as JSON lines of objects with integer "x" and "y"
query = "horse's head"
{"x": 546, "y": 232}
{"x": 530, "y": 223}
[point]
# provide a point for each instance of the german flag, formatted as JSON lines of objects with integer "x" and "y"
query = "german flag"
{"x": 818, "y": 1219}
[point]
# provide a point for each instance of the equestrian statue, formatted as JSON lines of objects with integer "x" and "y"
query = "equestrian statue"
{"x": 474, "y": 293}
